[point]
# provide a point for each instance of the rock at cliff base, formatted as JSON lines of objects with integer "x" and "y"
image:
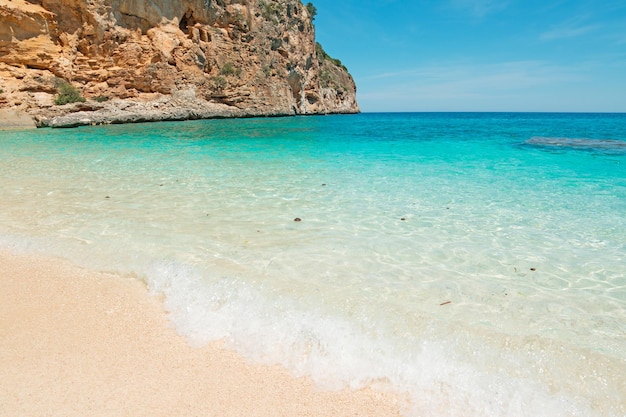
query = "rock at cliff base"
{"x": 14, "y": 119}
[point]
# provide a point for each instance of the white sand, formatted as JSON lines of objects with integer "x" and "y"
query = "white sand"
{"x": 78, "y": 343}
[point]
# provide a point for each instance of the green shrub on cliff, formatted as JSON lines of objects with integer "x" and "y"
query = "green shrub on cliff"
{"x": 230, "y": 69}
{"x": 312, "y": 10}
{"x": 67, "y": 93}
{"x": 219, "y": 83}
{"x": 322, "y": 56}
{"x": 270, "y": 10}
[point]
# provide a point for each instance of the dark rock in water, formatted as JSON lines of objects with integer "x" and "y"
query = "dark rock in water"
{"x": 297, "y": 219}
{"x": 578, "y": 143}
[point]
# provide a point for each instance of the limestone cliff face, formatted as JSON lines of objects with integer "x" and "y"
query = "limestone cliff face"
{"x": 233, "y": 57}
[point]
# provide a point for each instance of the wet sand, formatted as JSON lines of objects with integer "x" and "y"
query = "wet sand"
{"x": 75, "y": 342}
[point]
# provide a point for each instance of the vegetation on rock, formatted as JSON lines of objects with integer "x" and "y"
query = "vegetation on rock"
{"x": 230, "y": 69}
{"x": 258, "y": 57}
{"x": 219, "y": 83}
{"x": 312, "y": 10}
{"x": 270, "y": 10}
{"x": 322, "y": 55}
{"x": 67, "y": 93}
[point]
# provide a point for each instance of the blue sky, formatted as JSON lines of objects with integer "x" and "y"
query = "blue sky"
{"x": 480, "y": 55}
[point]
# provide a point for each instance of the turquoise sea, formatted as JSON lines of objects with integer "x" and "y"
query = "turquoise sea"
{"x": 476, "y": 261}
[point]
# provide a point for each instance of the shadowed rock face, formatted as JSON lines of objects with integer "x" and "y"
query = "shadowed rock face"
{"x": 251, "y": 57}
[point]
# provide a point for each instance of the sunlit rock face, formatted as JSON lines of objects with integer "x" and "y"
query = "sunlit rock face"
{"x": 257, "y": 57}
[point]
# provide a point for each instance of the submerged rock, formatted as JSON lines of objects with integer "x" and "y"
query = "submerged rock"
{"x": 577, "y": 143}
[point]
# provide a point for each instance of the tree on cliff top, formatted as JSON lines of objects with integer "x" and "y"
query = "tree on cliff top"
{"x": 312, "y": 10}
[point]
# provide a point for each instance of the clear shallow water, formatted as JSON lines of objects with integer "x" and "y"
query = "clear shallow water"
{"x": 476, "y": 261}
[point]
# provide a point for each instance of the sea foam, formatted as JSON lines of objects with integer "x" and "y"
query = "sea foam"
{"x": 446, "y": 368}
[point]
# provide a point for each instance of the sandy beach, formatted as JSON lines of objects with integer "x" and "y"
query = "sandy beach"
{"x": 75, "y": 342}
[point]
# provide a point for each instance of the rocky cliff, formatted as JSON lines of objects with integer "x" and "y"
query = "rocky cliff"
{"x": 136, "y": 60}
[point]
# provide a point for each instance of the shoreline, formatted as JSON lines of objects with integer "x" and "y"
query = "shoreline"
{"x": 75, "y": 342}
{"x": 180, "y": 106}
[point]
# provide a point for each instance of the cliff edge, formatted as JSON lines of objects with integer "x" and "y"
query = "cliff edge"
{"x": 117, "y": 61}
